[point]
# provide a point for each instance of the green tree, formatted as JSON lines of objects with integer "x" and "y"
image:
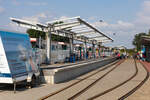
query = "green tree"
{"x": 36, "y": 34}
{"x": 136, "y": 41}
{"x": 130, "y": 51}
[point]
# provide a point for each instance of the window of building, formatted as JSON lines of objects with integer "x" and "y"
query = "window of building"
{"x": 64, "y": 47}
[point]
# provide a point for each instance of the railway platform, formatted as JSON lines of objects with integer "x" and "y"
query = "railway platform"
{"x": 61, "y": 65}
{"x": 121, "y": 79}
{"x": 56, "y": 74}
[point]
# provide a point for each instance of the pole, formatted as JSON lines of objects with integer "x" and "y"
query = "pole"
{"x": 99, "y": 47}
{"x": 14, "y": 81}
{"x": 71, "y": 48}
{"x": 40, "y": 42}
{"x": 48, "y": 46}
{"x": 93, "y": 49}
{"x": 71, "y": 44}
{"x": 85, "y": 49}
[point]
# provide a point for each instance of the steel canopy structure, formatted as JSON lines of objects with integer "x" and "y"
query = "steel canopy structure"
{"x": 80, "y": 29}
{"x": 75, "y": 28}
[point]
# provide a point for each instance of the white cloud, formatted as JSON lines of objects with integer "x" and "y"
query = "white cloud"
{"x": 124, "y": 24}
{"x": 1, "y": 9}
{"x": 43, "y": 17}
{"x": 36, "y": 18}
{"x": 120, "y": 25}
{"x": 15, "y": 2}
{"x": 37, "y": 3}
{"x": 143, "y": 17}
{"x": 15, "y": 27}
{"x": 63, "y": 17}
{"x": 92, "y": 18}
{"x": 60, "y": 18}
{"x": 100, "y": 24}
{"x": 39, "y": 18}
{"x": 125, "y": 31}
{"x": 146, "y": 6}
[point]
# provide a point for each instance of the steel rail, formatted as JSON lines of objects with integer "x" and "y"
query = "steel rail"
{"x": 117, "y": 86}
{"x": 93, "y": 83}
{"x": 73, "y": 84}
{"x": 138, "y": 86}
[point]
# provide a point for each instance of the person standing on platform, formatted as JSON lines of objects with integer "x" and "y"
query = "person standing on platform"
{"x": 118, "y": 55}
{"x": 87, "y": 54}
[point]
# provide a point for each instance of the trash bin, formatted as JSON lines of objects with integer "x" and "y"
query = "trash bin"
{"x": 72, "y": 58}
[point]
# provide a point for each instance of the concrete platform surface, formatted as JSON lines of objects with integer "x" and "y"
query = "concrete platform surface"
{"x": 58, "y": 75}
{"x": 60, "y": 65}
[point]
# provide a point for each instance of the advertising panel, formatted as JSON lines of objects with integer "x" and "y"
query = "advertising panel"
{"x": 18, "y": 52}
{"x": 4, "y": 69}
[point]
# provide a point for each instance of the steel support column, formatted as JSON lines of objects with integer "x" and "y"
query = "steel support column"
{"x": 99, "y": 49}
{"x": 93, "y": 50}
{"x": 85, "y": 49}
{"x": 71, "y": 45}
{"x": 48, "y": 46}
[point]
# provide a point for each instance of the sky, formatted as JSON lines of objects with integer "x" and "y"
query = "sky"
{"x": 125, "y": 18}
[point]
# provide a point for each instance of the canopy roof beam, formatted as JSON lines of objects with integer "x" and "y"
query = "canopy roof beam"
{"x": 65, "y": 26}
{"x": 93, "y": 28}
{"x": 86, "y": 32}
{"x": 73, "y": 26}
{"x": 96, "y": 37}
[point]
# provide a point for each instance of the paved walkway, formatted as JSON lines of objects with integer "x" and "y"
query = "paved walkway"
{"x": 142, "y": 93}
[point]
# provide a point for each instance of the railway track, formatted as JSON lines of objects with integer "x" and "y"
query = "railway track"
{"x": 111, "y": 89}
{"x": 137, "y": 87}
{"x": 75, "y": 83}
{"x": 122, "y": 83}
{"x": 93, "y": 83}
{"x": 90, "y": 85}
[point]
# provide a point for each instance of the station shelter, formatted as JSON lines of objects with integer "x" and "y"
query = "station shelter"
{"x": 79, "y": 51}
{"x": 74, "y": 28}
{"x": 145, "y": 40}
{"x": 59, "y": 48}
